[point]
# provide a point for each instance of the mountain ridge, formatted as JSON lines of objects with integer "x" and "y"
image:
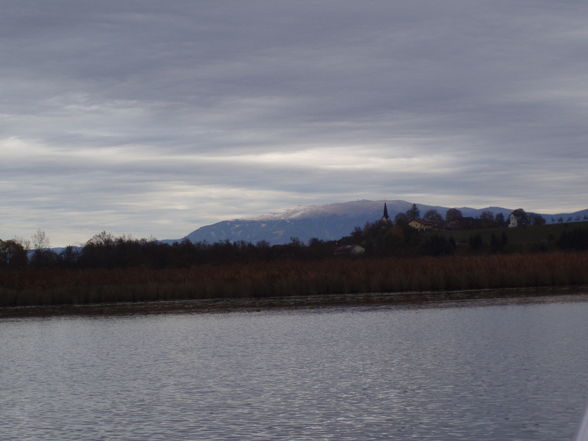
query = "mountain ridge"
{"x": 329, "y": 221}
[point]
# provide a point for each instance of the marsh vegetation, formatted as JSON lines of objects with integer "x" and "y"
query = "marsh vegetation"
{"x": 397, "y": 259}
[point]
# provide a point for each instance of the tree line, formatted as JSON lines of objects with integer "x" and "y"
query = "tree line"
{"x": 384, "y": 238}
{"x": 455, "y": 220}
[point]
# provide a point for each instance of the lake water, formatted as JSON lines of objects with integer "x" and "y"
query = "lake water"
{"x": 475, "y": 372}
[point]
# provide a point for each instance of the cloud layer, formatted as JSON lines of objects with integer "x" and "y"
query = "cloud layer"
{"x": 154, "y": 118}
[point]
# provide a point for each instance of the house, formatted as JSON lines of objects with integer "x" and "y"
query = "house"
{"x": 518, "y": 218}
{"x": 350, "y": 250}
{"x": 423, "y": 225}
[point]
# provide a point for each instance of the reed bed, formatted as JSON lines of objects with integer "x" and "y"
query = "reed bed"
{"x": 32, "y": 287}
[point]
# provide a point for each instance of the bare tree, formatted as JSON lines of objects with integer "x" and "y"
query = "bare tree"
{"x": 101, "y": 239}
{"x": 40, "y": 241}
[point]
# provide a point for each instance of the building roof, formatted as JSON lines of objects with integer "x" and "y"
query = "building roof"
{"x": 423, "y": 224}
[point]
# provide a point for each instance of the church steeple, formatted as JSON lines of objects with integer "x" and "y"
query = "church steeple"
{"x": 385, "y": 217}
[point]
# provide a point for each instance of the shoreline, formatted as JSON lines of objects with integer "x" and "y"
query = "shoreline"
{"x": 255, "y": 304}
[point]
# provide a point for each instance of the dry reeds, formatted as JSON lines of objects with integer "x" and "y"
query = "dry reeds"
{"x": 28, "y": 286}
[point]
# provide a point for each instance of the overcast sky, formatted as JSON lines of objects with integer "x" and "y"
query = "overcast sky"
{"x": 153, "y": 117}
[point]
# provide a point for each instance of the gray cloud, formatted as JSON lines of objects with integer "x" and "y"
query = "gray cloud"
{"x": 150, "y": 117}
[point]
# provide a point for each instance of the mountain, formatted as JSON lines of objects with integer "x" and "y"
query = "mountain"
{"x": 326, "y": 222}
{"x": 331, "y": 221}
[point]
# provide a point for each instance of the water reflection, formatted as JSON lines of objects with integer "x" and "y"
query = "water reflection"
{"x": 502, "y": 372}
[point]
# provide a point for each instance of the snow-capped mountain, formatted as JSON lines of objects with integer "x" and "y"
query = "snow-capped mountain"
{"x": 331, "y": 221}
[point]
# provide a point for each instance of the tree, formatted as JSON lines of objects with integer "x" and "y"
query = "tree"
{"x": 295, "y": 242}
{"x": 454, "y": 219}
{"x": 536, "y": 219}
{"x": 12, "y": 254}
{"x": 487, "y": 219}
{"x": 487, "y": 216}
{"x": 433, "y": 216}
{"x": 499, "y": 220}
{"x": 42, "y": 256}
{"x": 413, "y": 213}
{"x": 40, "y": 241}
{"x": 401, "y": 219}
{"x": 453, "y": 215}
{"x": 69, "y": 257}
{"x": 101, "y": 239}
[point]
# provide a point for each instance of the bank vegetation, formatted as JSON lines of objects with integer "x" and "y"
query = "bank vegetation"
{"x": 43, "y": 286}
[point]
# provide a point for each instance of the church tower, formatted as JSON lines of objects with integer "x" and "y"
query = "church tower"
{"x": 385, "y": 217}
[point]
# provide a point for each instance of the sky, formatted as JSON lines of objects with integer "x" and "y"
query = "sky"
{"x": 153, "y": 118}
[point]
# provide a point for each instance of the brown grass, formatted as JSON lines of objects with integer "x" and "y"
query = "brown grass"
{"x": 53, "y": 287}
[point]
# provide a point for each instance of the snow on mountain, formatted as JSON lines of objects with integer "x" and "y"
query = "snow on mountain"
{"x": 337, "y": 209}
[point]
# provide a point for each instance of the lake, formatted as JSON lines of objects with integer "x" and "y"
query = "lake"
{"x": 469, "y": 371}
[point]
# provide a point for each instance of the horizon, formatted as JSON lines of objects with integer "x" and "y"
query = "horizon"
{"x": 156, "y": 119}
{"x": 266, "y": 217}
